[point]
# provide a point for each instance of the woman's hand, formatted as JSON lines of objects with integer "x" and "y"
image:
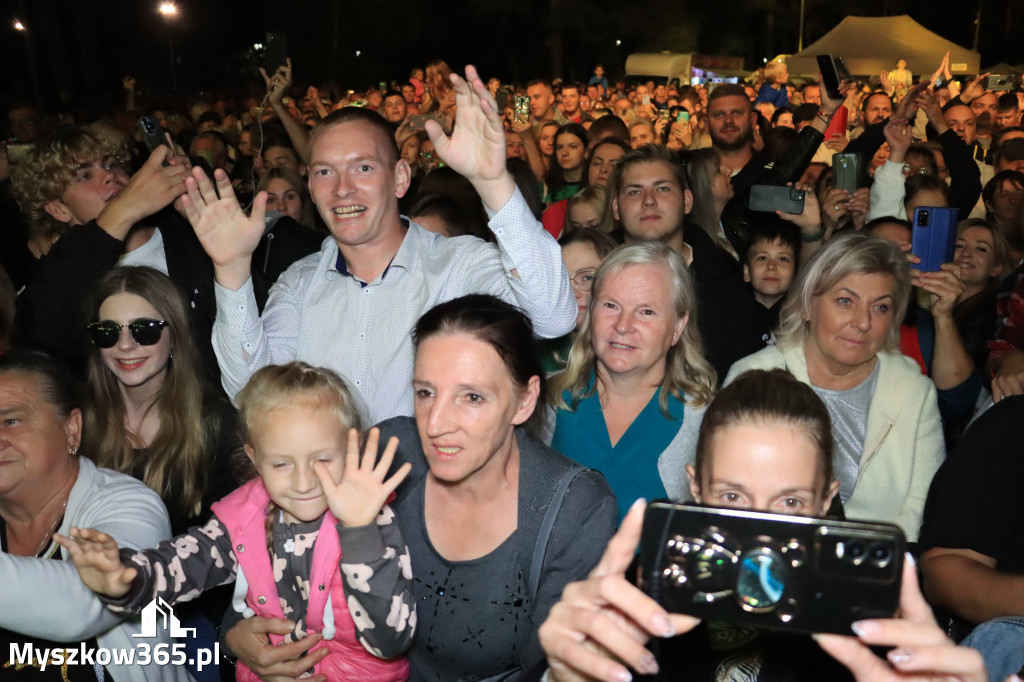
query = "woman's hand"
{"x": 602, "y": 622}
{"x": 99, "y": 565}
{"x": 359, "y": 496}
{"x": 922, "y": 650}
{"x": 808, "y": 220}
{"x": 899, "y": 134}
{"x": 944, "y": 285}
{"x": 250, "y": 642}
{"x": 858, "y": 206}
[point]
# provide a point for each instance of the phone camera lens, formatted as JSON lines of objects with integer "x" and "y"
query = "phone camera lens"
{"x": 880, "y": 554}
{"x": 855, "y": 550}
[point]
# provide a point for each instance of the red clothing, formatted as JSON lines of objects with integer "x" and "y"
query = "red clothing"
{"x": 553, "y": 218}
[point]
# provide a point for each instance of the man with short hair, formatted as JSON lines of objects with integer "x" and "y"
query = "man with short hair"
{"x": 395, "y": 107}
{"x": 731, "y": 118}
{"x": 350, "y": 307}
{"x": 542, "y": 105}
{"x": 571, "y": 104}
{"x": 810, "y": 93}
{"x": 876, "y": 108}
{"x": 650, "y": 202}
{"x": 660, "y": 99}
{"x": 1008, "y": 112}
{"x": 641, "y": 132}
{"x": 962, "y": 121}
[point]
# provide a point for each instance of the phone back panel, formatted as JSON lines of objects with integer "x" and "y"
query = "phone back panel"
{"x": 934, "y": 236}
{"x": 770, "y": 571}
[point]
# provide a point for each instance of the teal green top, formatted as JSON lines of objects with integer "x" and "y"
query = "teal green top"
{"x": 554, "y": 353}
{"x": 631, "y": 465}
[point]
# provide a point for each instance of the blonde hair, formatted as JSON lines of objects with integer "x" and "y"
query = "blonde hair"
{"x": 178, "y": 451}
{"x": 853, "y": 253}
{"x": 688, "y": 376}
{"x": 49, "y": 169}
{"x": 295, "y": 384}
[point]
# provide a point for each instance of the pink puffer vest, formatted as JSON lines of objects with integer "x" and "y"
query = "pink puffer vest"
{"x": 243, "y": 513}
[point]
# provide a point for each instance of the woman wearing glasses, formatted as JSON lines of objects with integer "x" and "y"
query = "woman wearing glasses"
{"x": 148, "y": 411}
{"x": 632, "y": 397}
{"x": 582, "y": 253}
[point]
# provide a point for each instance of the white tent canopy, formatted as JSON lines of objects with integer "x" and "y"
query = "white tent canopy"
{"x": 870, "y": 45}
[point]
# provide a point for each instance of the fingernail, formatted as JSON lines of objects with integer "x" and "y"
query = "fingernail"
{"x": 862, "y": 628}
{"x": 648, "y": 665}
{"x": 623, "y": 675}
{"x": 663, "y": 626}
{"x": 900, "y": 656}
{"x": 909, "y": 558}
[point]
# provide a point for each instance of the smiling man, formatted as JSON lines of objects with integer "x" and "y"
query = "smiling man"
{"x": 351, "y": 306}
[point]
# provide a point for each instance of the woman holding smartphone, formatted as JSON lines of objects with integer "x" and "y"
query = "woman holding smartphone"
{"x": 765, "y": 444}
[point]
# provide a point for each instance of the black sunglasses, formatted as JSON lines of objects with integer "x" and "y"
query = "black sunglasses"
{"x": 145, "y": 332}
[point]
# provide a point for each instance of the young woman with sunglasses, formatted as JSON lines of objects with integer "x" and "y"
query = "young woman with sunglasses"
{"x": 149, "y": 412}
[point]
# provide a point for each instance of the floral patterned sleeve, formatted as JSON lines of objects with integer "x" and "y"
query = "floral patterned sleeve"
{"x": 179, "y": 569}
{"x": 377, "y": 573}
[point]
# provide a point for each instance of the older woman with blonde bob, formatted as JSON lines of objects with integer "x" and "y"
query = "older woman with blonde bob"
{"x": 631, "y": 399}
{"x": 839, "y": 332}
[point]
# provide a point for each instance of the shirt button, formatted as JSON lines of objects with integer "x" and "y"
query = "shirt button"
{"x": 262, "y": 600}
{"x": 240, "y": 548}
{"x": 321, "y": 587}
{"x": 358, "y": 383}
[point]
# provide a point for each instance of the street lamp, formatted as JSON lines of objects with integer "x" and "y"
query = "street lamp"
{"x": 18, "y": 26}
{"x": 169, "y": 11}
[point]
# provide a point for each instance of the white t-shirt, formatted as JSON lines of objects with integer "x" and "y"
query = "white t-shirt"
{"x": 150, "y": 254}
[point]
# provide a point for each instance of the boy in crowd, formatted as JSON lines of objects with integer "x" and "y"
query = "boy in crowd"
{"x": 769, "y": 266}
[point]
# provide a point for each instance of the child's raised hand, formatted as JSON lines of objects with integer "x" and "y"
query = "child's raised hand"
{"x": 359, "y": 496}
{"x": 99, "y": 565}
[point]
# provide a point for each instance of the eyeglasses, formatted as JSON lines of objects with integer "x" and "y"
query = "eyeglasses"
{"x": 145, "y": 332}
{"x": 908, "y": 169}
{"x": 584, "y": 279}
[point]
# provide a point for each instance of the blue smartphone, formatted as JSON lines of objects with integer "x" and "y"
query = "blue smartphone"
{"x": 934, "y": 237}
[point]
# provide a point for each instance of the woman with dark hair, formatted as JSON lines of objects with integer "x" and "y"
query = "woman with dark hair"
{"x": 496, "y": 523}
{"x": 983, "y": 255}
{"x": 565, "y": 176}
{"x": 47, "y": 487}
{"x": 1004, "y": 205}
{"x": 711, "y": 185}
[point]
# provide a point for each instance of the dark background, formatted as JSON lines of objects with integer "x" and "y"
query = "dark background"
{"x": 76, "y": 51}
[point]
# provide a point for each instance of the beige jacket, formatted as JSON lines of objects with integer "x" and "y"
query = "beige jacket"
{"x": 903, "y": 447}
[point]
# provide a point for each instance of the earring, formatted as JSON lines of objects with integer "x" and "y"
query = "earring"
{"x": 72, "y": 451}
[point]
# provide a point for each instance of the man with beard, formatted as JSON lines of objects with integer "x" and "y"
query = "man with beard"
{"x": 731, "y": 119}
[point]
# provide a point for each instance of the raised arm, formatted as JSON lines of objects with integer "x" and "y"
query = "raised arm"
{"x": 277, "y": 88}
{"x": 532, "y": 268}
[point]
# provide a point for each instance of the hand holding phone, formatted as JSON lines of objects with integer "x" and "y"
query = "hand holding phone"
{"x": 833, "y": 74}
{"x": 771, "y": 198}
{"x": 770, "y": 570}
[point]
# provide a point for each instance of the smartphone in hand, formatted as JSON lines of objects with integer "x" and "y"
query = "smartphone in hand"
{"x": 833, "y": 74}
{"x": 771, "y": 198}
{"x": 934, "y": 237}
{"x": 771, "y": 571}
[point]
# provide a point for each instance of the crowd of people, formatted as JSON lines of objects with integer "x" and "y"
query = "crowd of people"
{"x": 364, "y": 383}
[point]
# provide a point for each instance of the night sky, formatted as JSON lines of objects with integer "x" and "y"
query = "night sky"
{"x": 82, "y": 48}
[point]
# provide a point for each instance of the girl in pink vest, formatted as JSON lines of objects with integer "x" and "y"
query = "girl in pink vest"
{"x": 310, "y": 538}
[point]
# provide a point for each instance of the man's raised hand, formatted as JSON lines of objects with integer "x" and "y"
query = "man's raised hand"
{"x": 227, "y": 234}
{"x": 476, "y": 147}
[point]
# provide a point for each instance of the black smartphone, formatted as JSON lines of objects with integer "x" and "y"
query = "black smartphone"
{"x": 501, "y": 98}
{"x": 846, "y": 168}
{"x": 833, "y": 74}
{"x": 275, "y": 51}
{"x": 770, "y": 571}
{"x": 934, "y": 237}
{"x": 152, "y": 134}
{"x": 771, "y": 198}
{"x": 999, "y": 82}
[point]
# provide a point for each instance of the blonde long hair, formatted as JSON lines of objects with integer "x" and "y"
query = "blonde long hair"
{"x": 688, "y": 375}
{"x": 178, "y": 453}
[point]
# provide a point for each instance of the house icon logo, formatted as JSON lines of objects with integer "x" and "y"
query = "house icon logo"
{"x": 158, "y": 608}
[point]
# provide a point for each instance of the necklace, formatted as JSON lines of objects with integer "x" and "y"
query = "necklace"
{"x": 53, "y": 529}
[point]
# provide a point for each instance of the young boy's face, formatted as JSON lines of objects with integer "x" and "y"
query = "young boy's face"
{"x": 769, "y": 269}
